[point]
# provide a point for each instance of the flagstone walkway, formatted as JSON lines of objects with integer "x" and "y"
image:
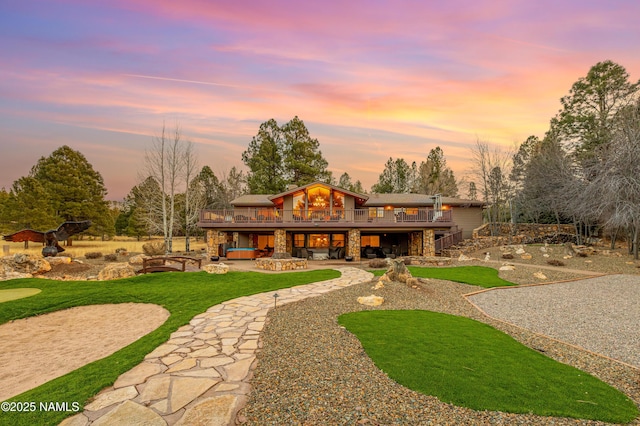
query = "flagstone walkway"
{"x": 201, "y": 374}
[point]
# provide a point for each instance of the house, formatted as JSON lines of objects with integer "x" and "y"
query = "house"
{"x": 322, "y": 221}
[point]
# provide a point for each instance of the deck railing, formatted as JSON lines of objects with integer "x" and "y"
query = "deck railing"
{"x": 448, "y": 240}
{"x": 251, "y": 215}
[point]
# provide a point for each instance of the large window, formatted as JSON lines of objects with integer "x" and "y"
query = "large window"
{"x": 319, "y": 240}
{"x": 370, "y": 240}
{"x": 266, "y": 241}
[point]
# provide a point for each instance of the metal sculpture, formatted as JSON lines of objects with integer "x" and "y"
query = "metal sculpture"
{"x": 50, "y": 238}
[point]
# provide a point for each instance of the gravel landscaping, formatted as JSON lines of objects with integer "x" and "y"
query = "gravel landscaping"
{"x": 315, "y": 372}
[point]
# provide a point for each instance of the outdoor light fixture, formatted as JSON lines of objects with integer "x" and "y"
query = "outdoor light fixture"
{"x": 275, "y": 299}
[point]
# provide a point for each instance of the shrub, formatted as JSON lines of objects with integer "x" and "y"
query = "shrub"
{"x": 555, "y": 262}
{"x": 582, "y": 254}
{"x": 121, "y": 250}
{"x": 407, "y": 261}
{"x": 93, "y": 255}
{"x": 110, "y": 257}
{"x": 507, "y": 256}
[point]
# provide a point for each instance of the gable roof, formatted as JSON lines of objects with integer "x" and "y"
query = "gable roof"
{"x": 292, "y": 190}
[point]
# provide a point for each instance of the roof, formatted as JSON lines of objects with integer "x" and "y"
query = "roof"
{"x": 368, "y": 200}
{"x": 253, "y": 200}
{"x": 415, "y": 200}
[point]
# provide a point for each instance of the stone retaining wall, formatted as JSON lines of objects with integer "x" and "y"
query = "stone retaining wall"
{"x": 271, "y": 264}
{"x": 531, "y": 230}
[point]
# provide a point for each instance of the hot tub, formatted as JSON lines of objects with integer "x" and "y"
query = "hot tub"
{"x": 242, "y": 253}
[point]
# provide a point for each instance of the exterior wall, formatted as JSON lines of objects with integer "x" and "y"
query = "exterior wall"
{"x": 214, "y": 240}
{"x": 280, "y": 241}
{"x": 428, "y": 242}
{"x": 467, "y": 219}
{"x": 353, "y": 244}
{"x": 415, "y": 243}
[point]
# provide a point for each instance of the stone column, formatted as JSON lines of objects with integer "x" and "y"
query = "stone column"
{"x": 428, "y": 242}
{"x": 214, "y": 240}
{"x": 236, "y": 238}
{"x": 353, "y": 244}
{"x": 280, "y": 241}
{"x": 415, "y": 243}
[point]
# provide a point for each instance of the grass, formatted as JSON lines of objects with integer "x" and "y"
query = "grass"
{"x": 470, "y": 364}
{"x": 184, "y": 295}
{"x": 17, "y": 293}
{"x": 80, "y": 247}
{"x": 475, "y": 275}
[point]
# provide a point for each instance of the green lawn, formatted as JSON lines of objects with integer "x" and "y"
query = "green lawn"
{"x": 474, "y": 275}
{"x": 470, "y": 364}
{"x": 184, "y": 295}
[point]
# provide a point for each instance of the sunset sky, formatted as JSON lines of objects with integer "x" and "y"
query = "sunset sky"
{"x": 370, "y": 79}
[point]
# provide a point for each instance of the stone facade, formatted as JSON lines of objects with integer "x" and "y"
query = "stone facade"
{"x": 353, "y": 244}
{"x": 280, "y": 241}
{"x": 428, "y": 242}
{"x": 214, "y": 240}
{"x": 271, "y": 264}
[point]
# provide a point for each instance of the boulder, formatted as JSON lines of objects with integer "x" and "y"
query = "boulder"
{"x": 115, "y": 271}
{"x": 372, "y": 300}
{"x": 507, "y": 268}
{"x": 154, "y": 248}
{"x": 137, "y": 259}
{"x": 464, "y": 258}
{"x": 397, "y": 272}
{"x": 59, "y": 260}
{"x": 526, "y": 256}
{"x": 216, "y": 268}
{"x": 25, "y": 264}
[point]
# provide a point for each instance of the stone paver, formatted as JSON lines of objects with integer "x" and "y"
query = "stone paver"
{"x": 201, "y": 375}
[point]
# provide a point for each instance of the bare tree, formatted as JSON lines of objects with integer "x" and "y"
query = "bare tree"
{"x": 490, "y": 167}
{"x": 164, "y": 162}
{"x": 614, "y": 192}
{"x": 194, "y": 199}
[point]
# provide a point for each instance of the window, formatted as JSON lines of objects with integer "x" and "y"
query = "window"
{"x": 299, "y": 201}
{"x": 376, "y": 212}
{"x": 319, "y": 240}
{"x": 370, "y": 240}
{"x": 266, "y": 241}
{"x": 298, "y": 240}
{"x": 337, "y": 240}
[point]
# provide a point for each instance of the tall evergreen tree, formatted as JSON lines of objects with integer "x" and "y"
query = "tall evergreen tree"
{"x": 280, "y": 156}
{"x": 435, "y": 177}
{"x": 264, "y": 157}
{"x": 303, "y": 160}
{"x": 63, "y": 186}
{"x": 588, "y": 112}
